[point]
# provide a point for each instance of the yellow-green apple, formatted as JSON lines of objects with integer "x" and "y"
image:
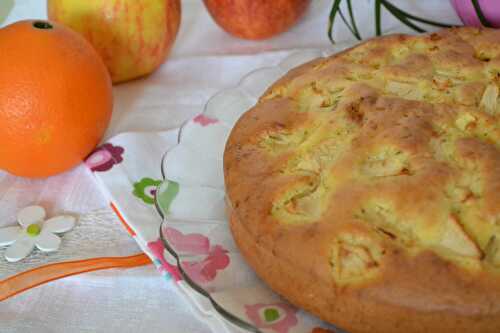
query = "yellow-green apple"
{"x": 256, "y": 19}
{"x": 133, "y": 37}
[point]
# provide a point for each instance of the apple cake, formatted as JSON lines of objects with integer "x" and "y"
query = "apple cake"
{"x": 365, "y": 187}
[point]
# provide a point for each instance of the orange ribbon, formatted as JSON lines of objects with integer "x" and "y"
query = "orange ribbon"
{"x": 37, "y": 276}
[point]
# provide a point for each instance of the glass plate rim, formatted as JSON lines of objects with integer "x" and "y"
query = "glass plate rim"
{"x": 226, "y": 314}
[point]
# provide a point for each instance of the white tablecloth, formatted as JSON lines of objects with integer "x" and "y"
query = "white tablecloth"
{"x": 204, "y": 61}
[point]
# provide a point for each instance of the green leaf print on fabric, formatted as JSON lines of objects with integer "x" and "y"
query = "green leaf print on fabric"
{"x": 167, "y": 192}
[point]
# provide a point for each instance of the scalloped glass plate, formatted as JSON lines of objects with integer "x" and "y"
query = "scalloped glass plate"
{"x": 191, "y": 201}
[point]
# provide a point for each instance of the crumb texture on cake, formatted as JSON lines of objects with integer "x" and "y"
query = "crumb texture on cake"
{"x": 383, "y": 159}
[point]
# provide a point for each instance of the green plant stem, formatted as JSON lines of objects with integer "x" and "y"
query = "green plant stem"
{"x": 354, "y": 32}
{"x": 378, "y": 23}
{"x": 388, "y": 5}
{"x": 401, "y": 15}
{"x": 331, "y": 19}
{"x": 353, "y": 21}
{"x": 402, "y": 18}
{"x": 480, "y": 14}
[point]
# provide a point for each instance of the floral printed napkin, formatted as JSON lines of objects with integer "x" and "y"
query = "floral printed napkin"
{"x": 130, "y": 169}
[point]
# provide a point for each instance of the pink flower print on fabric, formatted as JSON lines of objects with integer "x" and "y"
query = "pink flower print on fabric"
{"x": 206, "y": 270}
{"x": 191, "y": 243}
{"x": 216, "y": 258}
{"x": 157, "y": 250}
{"x": 204, "y": 120}
{"x": 104, "y": 157}
{"x": 278, "y": 317}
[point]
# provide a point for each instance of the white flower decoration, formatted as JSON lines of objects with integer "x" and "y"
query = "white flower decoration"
{"x": 34, "y": 231}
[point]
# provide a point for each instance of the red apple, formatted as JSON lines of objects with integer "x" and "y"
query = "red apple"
{"x": 133, "y": 37}
{"x": 256, "y": 19}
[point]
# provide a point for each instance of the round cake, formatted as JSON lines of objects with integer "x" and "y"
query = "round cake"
{"x": 365, "y": 187}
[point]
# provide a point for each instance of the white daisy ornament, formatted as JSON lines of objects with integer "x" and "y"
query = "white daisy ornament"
{"x": 34, "y": 231}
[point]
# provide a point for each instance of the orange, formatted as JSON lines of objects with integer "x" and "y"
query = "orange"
{"x": 55, "y": 98}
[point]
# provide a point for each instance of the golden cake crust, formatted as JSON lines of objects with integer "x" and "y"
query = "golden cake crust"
{"x": 365, "y": 187}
